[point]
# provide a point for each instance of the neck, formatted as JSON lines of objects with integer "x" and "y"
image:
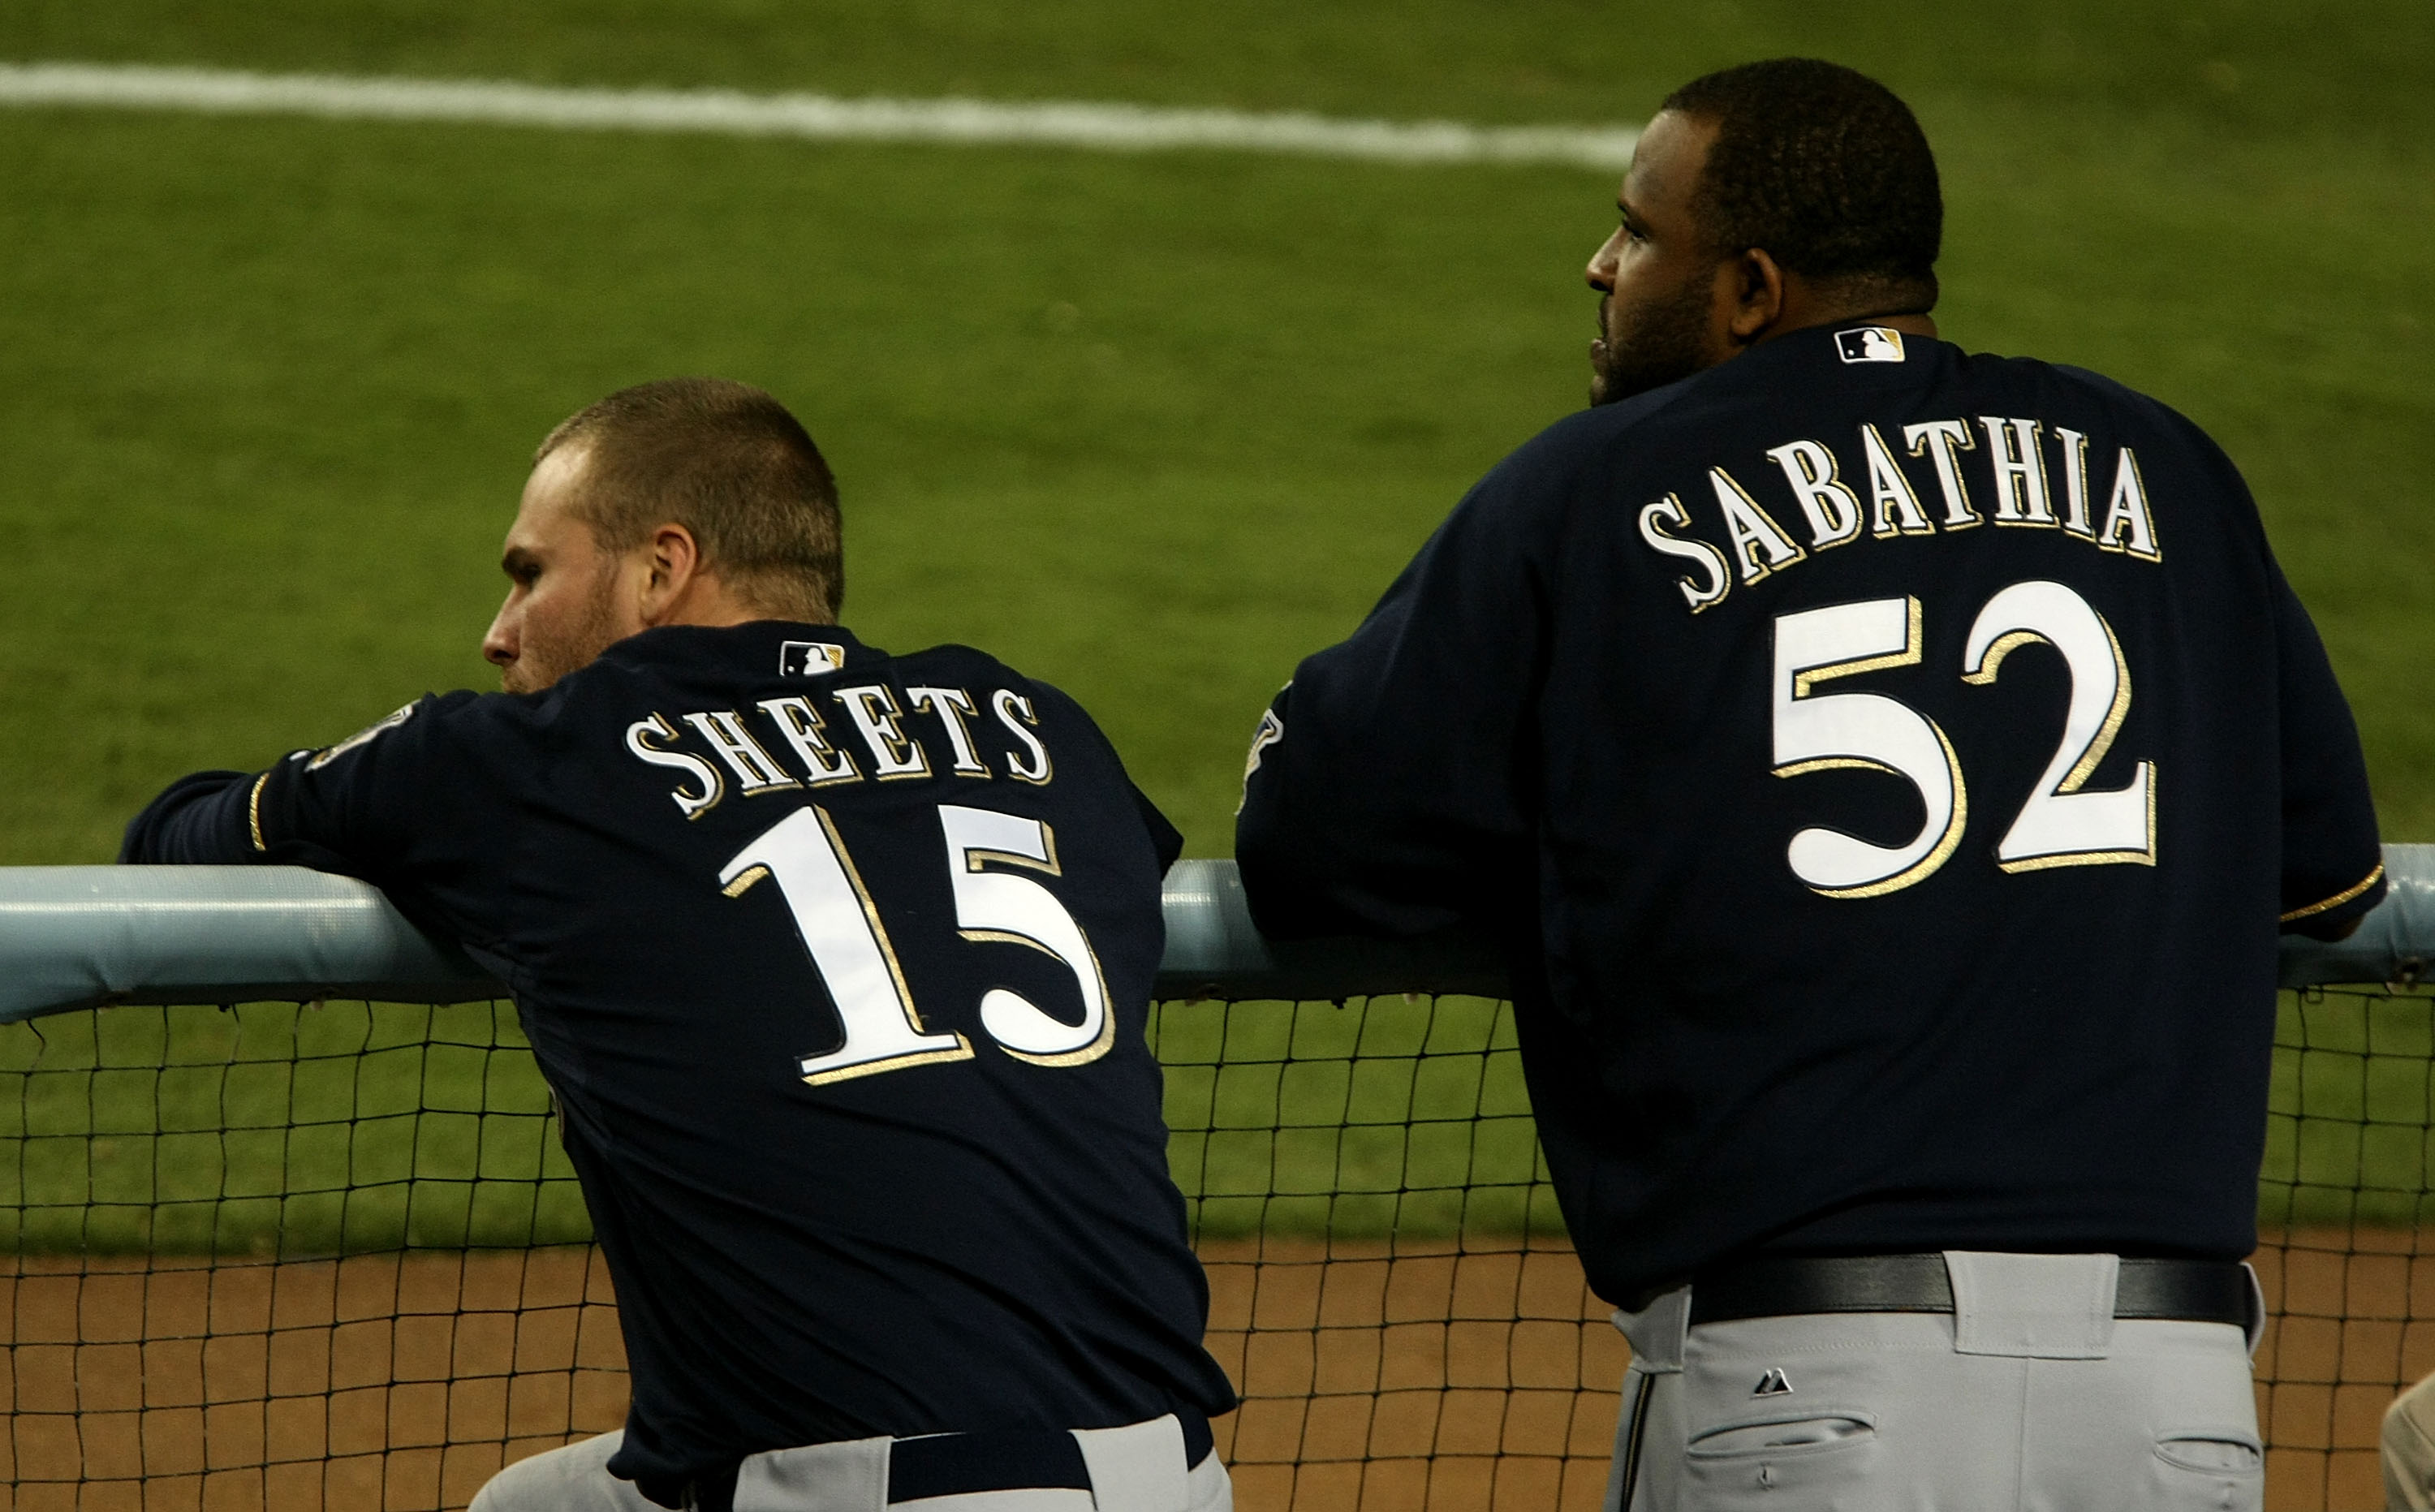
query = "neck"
{"x": 706, "y": 601}
{"x": 1909, "y": 322}
{"x": 1805, "y": 306}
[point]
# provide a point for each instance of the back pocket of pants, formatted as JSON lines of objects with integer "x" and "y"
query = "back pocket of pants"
{"x": 2207, "y": 1469}
{"x": 1819, "y": 1461}
{"x": 1780, "y": 1436}
{"x": 2213, "y": 1453}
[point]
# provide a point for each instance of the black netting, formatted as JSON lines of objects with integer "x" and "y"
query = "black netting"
{"x": 1390, "y": 1286}
{"x": 289, "y": 1257}
{"x": 2345, "y": 1248}
{"x": 333, "y": 1257}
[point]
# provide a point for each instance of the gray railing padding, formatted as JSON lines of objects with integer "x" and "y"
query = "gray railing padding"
{"x": 80, "y": 937}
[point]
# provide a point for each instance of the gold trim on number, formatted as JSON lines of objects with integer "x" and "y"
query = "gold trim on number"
{"x": 1920, "y": 870}
{"x": 963, "y": 1047}
{"x": 1907, "y": 657}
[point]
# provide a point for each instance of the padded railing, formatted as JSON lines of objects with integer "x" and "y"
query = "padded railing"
{"x": 82, "y": 937}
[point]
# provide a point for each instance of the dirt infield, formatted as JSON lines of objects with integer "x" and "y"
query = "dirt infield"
{"x": 1469, "y": 1381}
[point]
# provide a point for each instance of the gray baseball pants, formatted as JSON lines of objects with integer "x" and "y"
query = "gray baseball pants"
{"x": 2409, "y": 1449}
{"x": 2030, "y": 1397}
{"x": 1138, "y": 1467}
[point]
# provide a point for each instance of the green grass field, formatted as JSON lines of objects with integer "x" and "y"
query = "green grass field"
{"x": 346, "y": 1126}
{"x": 274, "y": 1128}
{"x": 1150, "y": 427}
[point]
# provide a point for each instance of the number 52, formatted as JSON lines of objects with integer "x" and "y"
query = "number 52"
{"x": 2061, "y": 825}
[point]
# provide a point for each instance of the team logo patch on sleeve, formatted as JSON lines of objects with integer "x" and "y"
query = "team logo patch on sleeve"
{"x": 362, "y": 737}
{"x": 1869, "y": 343}
{"x": 809, "y": 658}
{"x": 1272, "y": 731}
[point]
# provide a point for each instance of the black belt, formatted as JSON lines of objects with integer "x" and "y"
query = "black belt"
{"x": 1014, "y": 1459}
{"x": 2189, "y": 1291}
{"x": 1011, "y": 1459}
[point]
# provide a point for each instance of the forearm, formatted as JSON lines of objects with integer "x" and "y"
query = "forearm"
{"x": 1355, "y": 822}
{"x": 204, "y": 820}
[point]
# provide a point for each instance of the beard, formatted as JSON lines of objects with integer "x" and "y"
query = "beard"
{"x": 1662, "y": 340}
{"x": 548, "y": 651}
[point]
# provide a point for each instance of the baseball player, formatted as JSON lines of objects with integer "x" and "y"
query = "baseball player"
{"x": 1889, "y": 768}
{"x": 837, "y": 962}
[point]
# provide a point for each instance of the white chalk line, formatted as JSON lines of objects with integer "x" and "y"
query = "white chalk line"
{"x": 1092, "y": 126}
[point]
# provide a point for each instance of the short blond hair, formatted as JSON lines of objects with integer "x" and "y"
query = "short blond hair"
{"x": 730, "y": 464}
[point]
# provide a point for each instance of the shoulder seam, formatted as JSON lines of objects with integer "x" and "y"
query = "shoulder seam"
{"x": 253, "y": 810}
{"x": 2336, "y": 900}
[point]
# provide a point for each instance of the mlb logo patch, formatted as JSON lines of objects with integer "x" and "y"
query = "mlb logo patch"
{"x": 808, "y": 658}
{"x": 1869, "y": 343}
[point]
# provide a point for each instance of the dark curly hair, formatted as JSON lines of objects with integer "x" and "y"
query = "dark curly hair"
{"x": 1825, "y": 169}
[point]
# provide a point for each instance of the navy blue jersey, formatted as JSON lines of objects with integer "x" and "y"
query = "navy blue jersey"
{"x": 837, "y": 963}
{"x": 1887, "y": 767}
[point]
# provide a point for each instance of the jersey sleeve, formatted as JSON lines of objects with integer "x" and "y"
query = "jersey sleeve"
{"x": 198, "y": 820}
{"x": 1387, "y": 787}
{"x": 400, "y": 803}
{"x": 2333, "y": 869}
{"x": 1163, "y": 835}
{"x": 1165, "y": 840}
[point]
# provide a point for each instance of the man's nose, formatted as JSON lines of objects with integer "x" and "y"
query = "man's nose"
{"x": 1602, "y": 270}
{"x": 499, "y": 642}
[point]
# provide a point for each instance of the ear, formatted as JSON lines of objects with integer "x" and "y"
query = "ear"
{"x": 671, "y": 562}
{"x": 1756, "y": 294}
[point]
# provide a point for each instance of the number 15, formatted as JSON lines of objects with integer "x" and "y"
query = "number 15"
{"x": 840, "y": 928}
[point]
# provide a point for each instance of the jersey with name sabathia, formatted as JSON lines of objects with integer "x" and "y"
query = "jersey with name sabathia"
{"x": 839, "y": 965}
{"x": 1889, "y": 766}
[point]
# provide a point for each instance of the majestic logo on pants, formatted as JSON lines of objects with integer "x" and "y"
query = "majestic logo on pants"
{"x": 1773, "y": 1383}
